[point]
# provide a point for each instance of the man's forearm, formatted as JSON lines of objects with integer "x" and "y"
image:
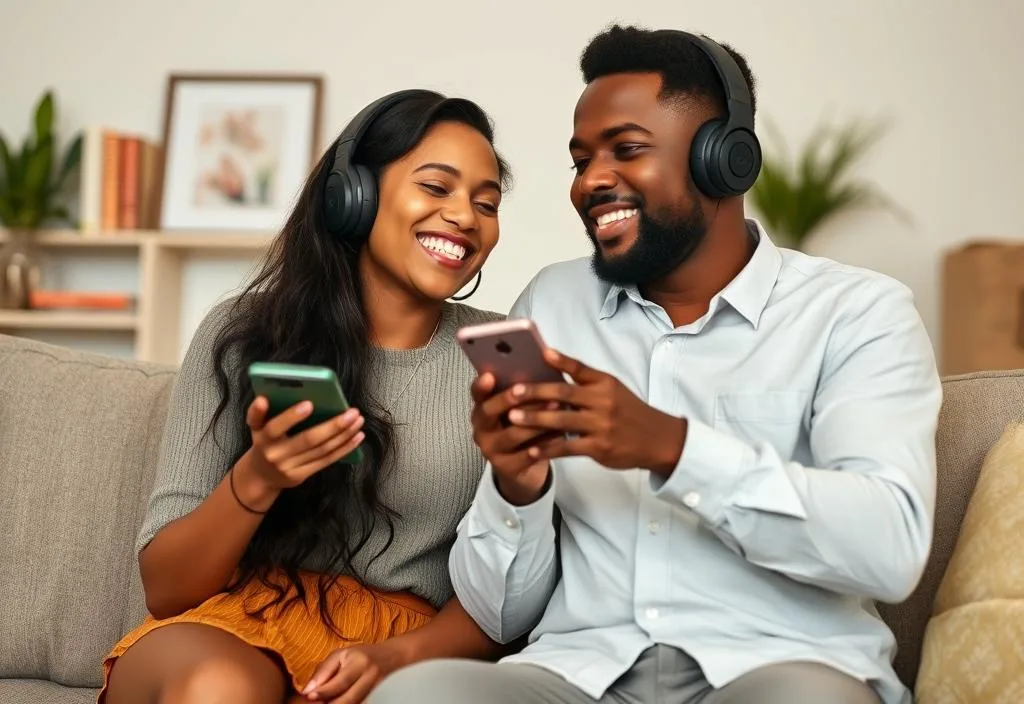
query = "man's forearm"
{"x": 503, "y": 564}
{"x": 862, "y": 529}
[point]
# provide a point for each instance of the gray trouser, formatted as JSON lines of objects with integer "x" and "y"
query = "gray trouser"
{"x": 662, "y": 675}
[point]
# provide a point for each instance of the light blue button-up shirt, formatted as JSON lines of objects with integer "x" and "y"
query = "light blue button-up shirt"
{"x": 804, "y": 492}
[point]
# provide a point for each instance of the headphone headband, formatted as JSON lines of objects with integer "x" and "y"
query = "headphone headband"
{"x": 350, "y": 192}
{"x": 725, "y": 157}
{"x": 357, "y": 126}
{"x": 737, "y": 94}
{"x": 738, "y": 102}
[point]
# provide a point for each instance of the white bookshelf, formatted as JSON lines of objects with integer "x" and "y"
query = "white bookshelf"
{"x": 160, "y": 258}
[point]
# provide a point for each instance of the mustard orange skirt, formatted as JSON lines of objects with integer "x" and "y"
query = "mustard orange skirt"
{"x": 295, "y": 632}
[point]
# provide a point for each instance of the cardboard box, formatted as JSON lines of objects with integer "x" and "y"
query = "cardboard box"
{"x": 983, "y": 307}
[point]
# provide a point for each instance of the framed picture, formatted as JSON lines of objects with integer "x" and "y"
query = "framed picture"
{"x": 237, "y": 149}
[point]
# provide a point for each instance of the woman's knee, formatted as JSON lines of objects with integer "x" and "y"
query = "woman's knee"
{"x": 192, "y": 662}
{"x": 220, "y": 681}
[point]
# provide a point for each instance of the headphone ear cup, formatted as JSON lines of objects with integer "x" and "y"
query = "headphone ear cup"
{"x": 350, "y": 204}
{"x": 739, "y": 161}
{"x": 334, "y": 203}
{"x": 704, "y": 159}
{"x": 724, "y": 165}
{"x": 363, "y": 204}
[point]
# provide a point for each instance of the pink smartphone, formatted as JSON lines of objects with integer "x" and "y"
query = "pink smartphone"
{"x": 512, "y": 350}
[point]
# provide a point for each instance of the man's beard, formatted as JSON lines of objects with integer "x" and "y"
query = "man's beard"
{"x": 661, "y": 245}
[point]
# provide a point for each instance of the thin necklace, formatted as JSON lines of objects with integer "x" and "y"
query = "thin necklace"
{"x": 415, "y": 369}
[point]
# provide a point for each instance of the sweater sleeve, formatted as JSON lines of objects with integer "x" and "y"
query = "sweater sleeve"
{"x": 191, "y": 461}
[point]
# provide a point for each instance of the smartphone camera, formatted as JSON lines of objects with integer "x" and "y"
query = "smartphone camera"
{"x": 501, "y": 346}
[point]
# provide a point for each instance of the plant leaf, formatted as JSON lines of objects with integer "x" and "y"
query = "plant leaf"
{"x": 850, "y": 145}
{"x": 44, "y": 117}
{"x": 7, "y": 216}
{"x": 39, "y": 166}
{"x": 5, "y": 163}
{"x": 809, "y": 168}
{"x": 797, "y": 200}
{"x": 28, "y": 217}
{"x": 770, "y": 193}
{"x": 10, "y": 164}
{"x": 72, "y": 157}
{"x": 28, "y": 189}
{"x": 774, "y": 196}
{"x": 58, "y": 213}
{"x": 21, "y": 163}
{"x": 36, "y": 193}
{"x": 776, "y": 136}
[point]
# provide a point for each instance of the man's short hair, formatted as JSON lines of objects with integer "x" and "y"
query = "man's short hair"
{"x": 687, "y": 73}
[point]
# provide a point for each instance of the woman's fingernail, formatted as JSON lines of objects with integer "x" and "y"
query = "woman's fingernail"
{"x": 305, "y": 407}
{"x": 518, "y": 390}
{"x": 515, "y": 416}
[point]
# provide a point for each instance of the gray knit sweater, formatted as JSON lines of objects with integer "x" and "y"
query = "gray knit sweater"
{"x": 430, "y": 482}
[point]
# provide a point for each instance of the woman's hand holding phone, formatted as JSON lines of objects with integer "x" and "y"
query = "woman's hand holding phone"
{"x": 278, "y": 461}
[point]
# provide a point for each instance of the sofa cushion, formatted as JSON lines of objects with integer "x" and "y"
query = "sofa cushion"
{"x": 975, "y": 410}
{"x": 79, "y": 435}
{"x": 973, "y": 651}
{"x": 43, "y": 692}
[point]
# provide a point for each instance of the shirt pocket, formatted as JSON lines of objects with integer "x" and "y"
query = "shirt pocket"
{"x": 776, "y": 417}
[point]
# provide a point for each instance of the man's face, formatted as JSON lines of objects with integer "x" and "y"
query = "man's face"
{"x": 632, "y": 187}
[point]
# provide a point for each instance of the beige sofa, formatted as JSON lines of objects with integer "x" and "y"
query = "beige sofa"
{"x": 79, "y": 435}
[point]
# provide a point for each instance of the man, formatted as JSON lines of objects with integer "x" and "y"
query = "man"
{"x": 743, "y": 463}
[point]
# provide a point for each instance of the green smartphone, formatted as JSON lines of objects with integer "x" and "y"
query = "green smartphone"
{"x": 285, "y": 385}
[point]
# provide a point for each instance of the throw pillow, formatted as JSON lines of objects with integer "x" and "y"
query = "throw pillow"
{"x": 973, "y": 651}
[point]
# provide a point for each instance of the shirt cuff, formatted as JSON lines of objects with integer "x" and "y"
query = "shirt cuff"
{"x": 515, "y": 525}
{"x": 717, "y": 472}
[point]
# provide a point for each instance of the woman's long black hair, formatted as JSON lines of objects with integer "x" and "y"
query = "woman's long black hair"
{"x": 305, "y": 305}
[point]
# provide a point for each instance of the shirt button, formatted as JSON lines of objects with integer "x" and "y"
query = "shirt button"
{"x": 510, "y": 522}
{"x": 653, "y": 526}
{"x": 652, "y": 613}
{"x": 691, "y": 499}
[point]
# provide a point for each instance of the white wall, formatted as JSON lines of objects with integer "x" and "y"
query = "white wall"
{"x": 946, "y": 74}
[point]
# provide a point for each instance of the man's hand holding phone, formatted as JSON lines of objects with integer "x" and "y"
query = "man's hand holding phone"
{"x": 278, "y": 461}
{"x": 597, "y": 417}
{"x": 527, "y": 412}
{"x": 521, "y": 479}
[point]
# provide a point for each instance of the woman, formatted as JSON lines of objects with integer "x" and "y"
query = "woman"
{"x": 271, "y": 570}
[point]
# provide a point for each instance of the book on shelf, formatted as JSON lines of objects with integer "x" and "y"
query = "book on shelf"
{"x": 120, "y": 181}
{"x": 44, "y": 299}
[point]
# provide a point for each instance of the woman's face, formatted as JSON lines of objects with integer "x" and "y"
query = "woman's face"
{"x": 437, "y": 221}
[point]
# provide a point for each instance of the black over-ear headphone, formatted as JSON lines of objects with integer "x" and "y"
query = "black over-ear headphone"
{"x": 350, "y": 194}
{"x": 725, "y": 156}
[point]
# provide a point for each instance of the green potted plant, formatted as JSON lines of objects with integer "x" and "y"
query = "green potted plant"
{"x": 31, "y": 194}
{"x": 795, "y": 197}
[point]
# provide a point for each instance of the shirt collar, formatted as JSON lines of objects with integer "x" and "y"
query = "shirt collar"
{"x": 747, "y": 293}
